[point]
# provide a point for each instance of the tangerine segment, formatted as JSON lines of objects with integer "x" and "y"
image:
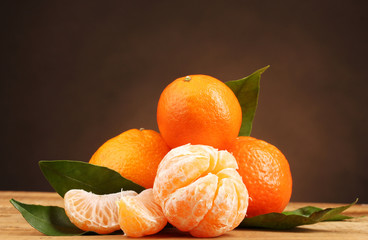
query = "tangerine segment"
{"x": 218, "y": 221}
{"x": 188, "y": 205}
{"x": 140, "y": 215}
{"x": 207, "y": 206}
{"x": 236, "y": 179}
{"x": 228, "y": 209}
{"x": 92, "y": 212}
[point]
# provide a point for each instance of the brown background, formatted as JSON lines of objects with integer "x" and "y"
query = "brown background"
{"x": 76, "y": 73}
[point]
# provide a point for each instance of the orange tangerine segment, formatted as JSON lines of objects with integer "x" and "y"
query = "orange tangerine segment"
{"x": 222, "y": 215}
{"x": 140, "y": 215}
{"x": 207, "y": 206}
{"x": 187, "y": 166}
{"x": 227, "y": 207}
{"x": 92, "y": 212}
{"x": 241, "y": 190}
{"x": 187, "y": 206}
{"x": 225, "y": 160}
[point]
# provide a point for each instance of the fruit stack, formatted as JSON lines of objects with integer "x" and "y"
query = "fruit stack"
{"x": 199, "y": 174}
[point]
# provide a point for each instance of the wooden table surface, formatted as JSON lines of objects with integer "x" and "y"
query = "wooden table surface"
{"x": 14, "y": 226}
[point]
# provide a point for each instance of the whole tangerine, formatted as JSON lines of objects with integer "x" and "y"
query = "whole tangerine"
{"x": 265, "y": 172}
{"x": 135, "y": 154}
{"x": 198, "y": 109}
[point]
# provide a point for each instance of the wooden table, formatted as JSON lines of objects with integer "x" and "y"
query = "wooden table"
{"x": 13, "y": 225}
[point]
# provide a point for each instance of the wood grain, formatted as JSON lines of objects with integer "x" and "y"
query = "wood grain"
{"x": 13, "y": 225}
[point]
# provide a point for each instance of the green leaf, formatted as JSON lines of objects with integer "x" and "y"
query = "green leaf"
{"x": 49, "y": 220}
{"x": 291, "y": 219}
{"x": 247, "y": 91}
{"x": 64, "y": 175}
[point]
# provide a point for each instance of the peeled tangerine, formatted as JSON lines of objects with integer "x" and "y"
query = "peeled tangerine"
{"x": 200, "y": 191}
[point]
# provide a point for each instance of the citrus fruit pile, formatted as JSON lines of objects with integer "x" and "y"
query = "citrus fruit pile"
{"x": 198, "y": 174}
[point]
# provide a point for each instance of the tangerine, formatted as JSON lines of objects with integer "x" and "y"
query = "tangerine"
{"x": 265, "y": 172}
{"x": 135, "y": 154}
{"x": 200, "y": 191}
{"x": 198, "y": 109}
